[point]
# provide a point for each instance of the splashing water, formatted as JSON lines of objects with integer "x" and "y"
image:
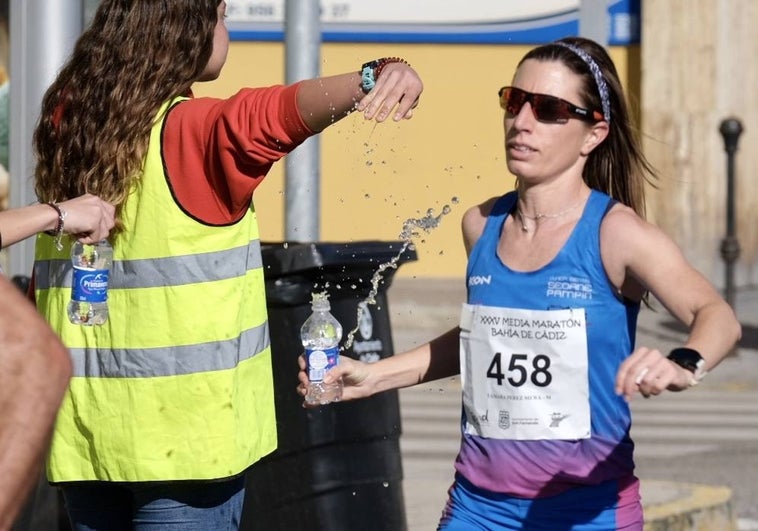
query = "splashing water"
{"x": 367, "y": 145}
{"x": 411, "y": 228}
{"x": 426, "y": 223}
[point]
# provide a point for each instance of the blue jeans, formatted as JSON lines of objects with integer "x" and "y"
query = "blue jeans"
{"x": 182, "y": 506}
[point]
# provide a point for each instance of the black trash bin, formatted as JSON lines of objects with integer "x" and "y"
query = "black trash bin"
{"x": 337, "y": 467}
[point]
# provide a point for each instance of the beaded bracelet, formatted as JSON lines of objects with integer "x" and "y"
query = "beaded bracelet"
{"x": 57, "y": 233}
{"x": 370, "y": 71}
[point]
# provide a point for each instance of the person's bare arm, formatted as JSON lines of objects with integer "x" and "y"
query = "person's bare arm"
{"x": 87, "y": 217}
{"x": 431, "y": 361}
{"x": 425, "y": 363}
{"x": 326, "y": 100}
{"x": 34, "y": 373}
{"x": 637, "y": 252}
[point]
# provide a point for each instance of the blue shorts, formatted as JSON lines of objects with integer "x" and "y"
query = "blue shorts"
{"x": 603, "y": 507}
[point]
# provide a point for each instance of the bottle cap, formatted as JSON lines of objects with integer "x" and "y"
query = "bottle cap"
{"x": 320, "y": 300}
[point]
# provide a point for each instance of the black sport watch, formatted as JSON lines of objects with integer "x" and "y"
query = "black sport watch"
{"x": 691, "y": 360}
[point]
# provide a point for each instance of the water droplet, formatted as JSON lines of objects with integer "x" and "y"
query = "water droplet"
{"x": 412, "y": 228}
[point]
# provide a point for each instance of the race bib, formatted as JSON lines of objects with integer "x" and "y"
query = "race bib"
{"x": 524, "y": 373}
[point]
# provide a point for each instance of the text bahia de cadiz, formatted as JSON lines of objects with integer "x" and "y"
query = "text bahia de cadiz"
{"x": 552, "y": 329}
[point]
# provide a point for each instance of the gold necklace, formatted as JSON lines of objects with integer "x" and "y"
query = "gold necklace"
{"x": 538, "y": 217}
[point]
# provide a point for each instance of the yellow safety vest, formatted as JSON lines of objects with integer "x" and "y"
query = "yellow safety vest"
{"x": 177, "y": 385}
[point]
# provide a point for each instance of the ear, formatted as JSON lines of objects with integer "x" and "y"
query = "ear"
{"x": 595, "y": 136}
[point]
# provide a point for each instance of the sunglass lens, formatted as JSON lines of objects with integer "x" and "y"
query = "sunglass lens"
{"x": 549, "y": 109}
{"x": 545, "y": 108}
{"x": 512, "y": 99}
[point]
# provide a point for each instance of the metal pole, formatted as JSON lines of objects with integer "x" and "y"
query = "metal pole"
{"x": 593, "y": 20}
{"x": 42, "y": 35}
{"x": 730, "y": 130}
{"x": 302, "y": 37}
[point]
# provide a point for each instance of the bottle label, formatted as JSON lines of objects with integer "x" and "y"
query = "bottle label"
{"x": 89, "y": 285}
{"x": 320, "y": 361}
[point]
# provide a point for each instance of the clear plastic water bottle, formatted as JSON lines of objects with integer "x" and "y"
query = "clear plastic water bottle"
{"x": 321, "y": 334}
{"x": 89, "y": 287}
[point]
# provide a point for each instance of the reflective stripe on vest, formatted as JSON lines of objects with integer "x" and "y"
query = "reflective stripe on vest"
{"x": 169, "y": 361}
{"x": 161, "y": 272}
{"x": 177, "y": 384}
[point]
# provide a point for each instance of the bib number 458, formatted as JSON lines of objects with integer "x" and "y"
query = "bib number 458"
{"x": 520, "y": 369}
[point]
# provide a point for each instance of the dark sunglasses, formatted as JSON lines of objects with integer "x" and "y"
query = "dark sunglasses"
{"x": 545, "y": 108}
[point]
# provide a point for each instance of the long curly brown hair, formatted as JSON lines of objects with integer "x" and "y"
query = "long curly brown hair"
{"x": 617, "y": 166}
{"x": 96, "y": 117}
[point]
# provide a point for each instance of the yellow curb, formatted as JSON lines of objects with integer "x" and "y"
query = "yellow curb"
{"x": 698, "y": 508}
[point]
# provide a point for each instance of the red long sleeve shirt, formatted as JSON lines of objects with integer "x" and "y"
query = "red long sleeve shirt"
{"x": 216, "y": 151}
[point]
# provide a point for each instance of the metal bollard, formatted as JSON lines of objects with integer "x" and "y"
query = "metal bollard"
{"x": 730, "y": 129}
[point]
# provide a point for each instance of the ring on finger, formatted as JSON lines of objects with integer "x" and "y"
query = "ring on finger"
{"x": 641, "y": 375}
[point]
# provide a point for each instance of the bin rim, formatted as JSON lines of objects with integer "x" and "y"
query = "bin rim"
{"x": 285, "y": 258}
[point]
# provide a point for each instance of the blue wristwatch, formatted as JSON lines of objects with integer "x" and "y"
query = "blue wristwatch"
{"x": 368, "y": 80}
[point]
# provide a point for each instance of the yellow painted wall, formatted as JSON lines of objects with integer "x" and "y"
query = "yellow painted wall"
{"x": 374, "y": 177}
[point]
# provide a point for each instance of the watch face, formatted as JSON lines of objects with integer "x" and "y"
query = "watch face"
{"x": 686, "y": 357}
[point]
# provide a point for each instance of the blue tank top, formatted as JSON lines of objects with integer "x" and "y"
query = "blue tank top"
{"x": 575, "y": 278}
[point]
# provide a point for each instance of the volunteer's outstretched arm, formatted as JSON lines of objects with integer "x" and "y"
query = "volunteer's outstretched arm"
{"x": 326, "y": 100}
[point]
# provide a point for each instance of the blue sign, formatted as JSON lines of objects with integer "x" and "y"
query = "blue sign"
{"x": 432, "y": 21}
